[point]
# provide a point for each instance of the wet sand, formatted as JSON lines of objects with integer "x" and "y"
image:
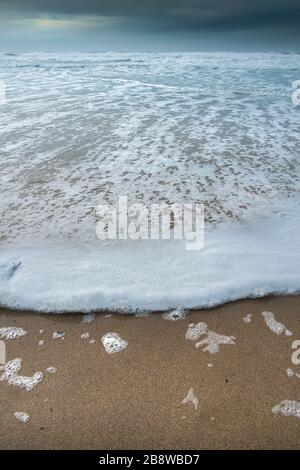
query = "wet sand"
{"x": 132, "y": 399}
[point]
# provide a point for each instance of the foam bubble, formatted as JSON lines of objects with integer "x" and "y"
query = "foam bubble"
{"x": 52, "y": 370}
{"x": 11, "y": 376}
{"x": 58, "y": 335}
{"x": 12, "y": 332}
{"x": 212, "y": 341}
{"x": 247, "y": 318}
{"x": 22, "y": 416}
{"x": 287, "y": 408}
{"x": 174, "y": 315}
{"x": 41, "y": 342}
{"x": 191, "y": 398}
{"x": 113, "y": 343}
{"x": 196, "y": 330}
{"x": 92, "y": 341}
{"x": 274, "y": 325}
{"x": 291, "y": 373}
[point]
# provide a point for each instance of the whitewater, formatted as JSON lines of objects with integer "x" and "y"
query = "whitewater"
{"x": 79, "y": 130}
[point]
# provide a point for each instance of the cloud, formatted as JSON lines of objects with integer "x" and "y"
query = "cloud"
{"x": 265, "y": 21}
{"x": 180, "y": 14}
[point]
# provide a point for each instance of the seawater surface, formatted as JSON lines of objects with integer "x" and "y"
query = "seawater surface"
{"x": 79, "y": 130}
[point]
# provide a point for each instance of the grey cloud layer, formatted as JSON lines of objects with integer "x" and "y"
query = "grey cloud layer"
{"x": 168, "y": 14}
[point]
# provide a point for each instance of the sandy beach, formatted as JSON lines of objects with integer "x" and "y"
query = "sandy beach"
{"x": 133, "y": 399}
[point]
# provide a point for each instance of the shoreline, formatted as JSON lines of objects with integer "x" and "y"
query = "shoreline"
{"x": 133, "y": 399}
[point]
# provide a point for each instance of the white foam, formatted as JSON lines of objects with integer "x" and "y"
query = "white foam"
{"x": 287, "y": 408}
{"x": 12, "y": 332}
{"x": 41, "y": 342}
{"x": 113, "y": 343}
{"x": 58, "y": 335}
{"x": 196, "y": 330}
{"x": 291, "y": 373}
{"x": 85, "y": 335}
{"x": 238, "y": 261}
{"x": 92, "y": 341}
{"x": 274, "y": 325}
{"x": 247, "y": 318}
{"x": 22, "y": 416}
{"x": 212, "y": 341}
{"x": 11, "y": 376}
{"x": 174, "y": 315}
{"x": 191, "y": 398}
{"x": 182, "y": 141}
{"x": 52, "y": 370}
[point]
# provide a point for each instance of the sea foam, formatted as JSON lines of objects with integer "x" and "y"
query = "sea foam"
{"x": 80, "y": 130}
{"x": 252, "y": 259}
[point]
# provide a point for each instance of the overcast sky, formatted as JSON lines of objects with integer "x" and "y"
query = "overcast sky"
{"x": 145, "y": 25}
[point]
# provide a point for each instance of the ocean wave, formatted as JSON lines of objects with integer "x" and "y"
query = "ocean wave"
{"x": 238, "y": 261}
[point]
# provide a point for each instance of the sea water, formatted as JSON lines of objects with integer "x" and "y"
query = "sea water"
{"x": 79, "y": 130}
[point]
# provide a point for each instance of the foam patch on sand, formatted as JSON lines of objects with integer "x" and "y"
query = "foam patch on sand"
{"x": 22, "y": 416}
{"x": 10, "y": 375}
{"x": 12, "y": 332}
{"x": 85, "y": 335}
{"x": 58, "y": 335}
{"x": 52, "y": 370}
{"x": 213, "y": 340}
{"x": 196, "y": 330}
{"x": 274, "y": 325}
{"x": 287, "y": 408}
{"x": 247, "y": 318}
{"x": 191, "y": 398}
{"x": 174, "y": 315}
{"x": 113, "y": 343}
{"x": 291, "y": 373}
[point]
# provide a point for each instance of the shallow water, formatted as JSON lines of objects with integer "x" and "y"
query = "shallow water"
{"x": 79, "y": 130}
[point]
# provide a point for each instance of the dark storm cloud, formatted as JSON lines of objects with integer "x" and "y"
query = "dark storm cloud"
{"x": 150, "y": 24}
{"x": 177, "y": 14}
